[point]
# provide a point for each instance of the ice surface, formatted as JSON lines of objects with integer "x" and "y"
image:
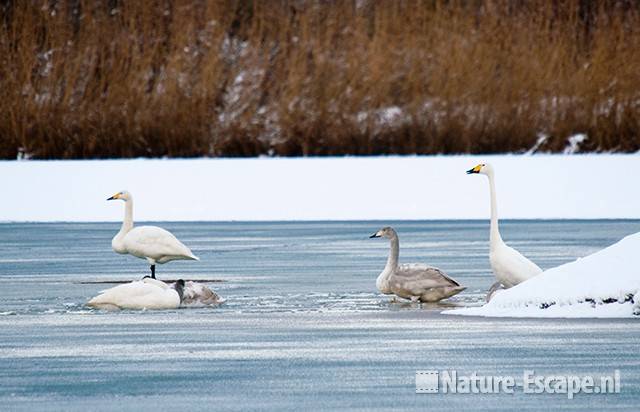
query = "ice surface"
{"x": 303, "y": 327}
{"x": 603, "y": 284}
{"x": 412, "y": 187}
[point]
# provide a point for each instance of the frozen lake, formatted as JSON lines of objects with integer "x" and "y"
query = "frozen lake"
{"x": 303, "y": 326}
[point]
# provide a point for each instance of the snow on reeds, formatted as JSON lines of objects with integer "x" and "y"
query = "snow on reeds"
{"x": 84, "y": 78}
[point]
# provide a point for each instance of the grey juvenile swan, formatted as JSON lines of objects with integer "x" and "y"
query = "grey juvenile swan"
{"x": 414, "y": 281}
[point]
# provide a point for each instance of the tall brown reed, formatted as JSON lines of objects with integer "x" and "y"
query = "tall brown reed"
{"x": 81, "y": 79}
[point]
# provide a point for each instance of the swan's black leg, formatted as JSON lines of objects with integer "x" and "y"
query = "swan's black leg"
{"x": 153, "y": 271}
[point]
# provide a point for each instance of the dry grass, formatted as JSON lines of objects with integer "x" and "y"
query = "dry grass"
{"x": 84, "y": 79}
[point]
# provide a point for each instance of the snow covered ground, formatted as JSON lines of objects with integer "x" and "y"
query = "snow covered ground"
{"x": 412, "y": 187}
{"x": 604, "y": 284}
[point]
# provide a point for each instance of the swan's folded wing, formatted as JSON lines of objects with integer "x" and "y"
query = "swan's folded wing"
{"x": 523, "y": 261}
{"x": 516, "y": 263}
{"x": 138, "y": 295}
{"x": 123, "y": 293}
{"x": 420, "y": 276}
{"x": 155, "y": 242}
{"x": 155, "y": 282}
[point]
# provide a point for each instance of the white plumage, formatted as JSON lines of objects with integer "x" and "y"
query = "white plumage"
{"x": 509, "y": 266}
{"x": 150, "y": 293}
{"x": 143, "y": 294}
{"x": 152, "y": 243}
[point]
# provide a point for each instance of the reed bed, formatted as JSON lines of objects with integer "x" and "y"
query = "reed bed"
{"x": 103, "y": 79}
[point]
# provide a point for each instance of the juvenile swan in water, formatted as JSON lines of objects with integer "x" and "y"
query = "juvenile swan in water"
{"x": 143, "y": 294}
{"x": 508, "y": 265}
{"x": 197, "y": 294}
{"x": 147, "y": 242}
{"x": 193, "y": 293}
{"x": 413, "y": 281}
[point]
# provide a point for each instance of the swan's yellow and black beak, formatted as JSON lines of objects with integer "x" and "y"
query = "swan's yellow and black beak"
{"x": 474, "y": 170}
{"x": 114, "y": 197}
{"x": 377, "y": 234}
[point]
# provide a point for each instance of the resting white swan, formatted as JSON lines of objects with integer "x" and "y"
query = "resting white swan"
{"x": 508, "y": 265}
{"x": 143, "y": 294}
{"x": 147, "y": 242}
{"x": 413, "y": 281}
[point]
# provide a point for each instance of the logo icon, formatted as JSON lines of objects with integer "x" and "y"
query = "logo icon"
{"x": 426, "y": 381}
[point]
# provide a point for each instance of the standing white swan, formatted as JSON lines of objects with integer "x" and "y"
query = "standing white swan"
{"x": 143, "y": 294}
{"x": 413, "y": 281}
{"x": 509, "y": 266}
{"x": 147, "y": 242}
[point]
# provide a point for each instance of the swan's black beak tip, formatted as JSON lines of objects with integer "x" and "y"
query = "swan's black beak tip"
{"x": 470, "y": 172}
{"x": 373, "y": 236}
{"x": 111, "y": 198}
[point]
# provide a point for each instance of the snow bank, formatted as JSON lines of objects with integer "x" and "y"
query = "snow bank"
{"x": 604, "y": 284}
{"x": 382, "y": 188}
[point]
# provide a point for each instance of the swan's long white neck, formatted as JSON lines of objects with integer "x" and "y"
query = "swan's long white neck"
{"x": 494, "y": 238}
{"x": 117, "y": 243}
{"x": 127, "y": 223}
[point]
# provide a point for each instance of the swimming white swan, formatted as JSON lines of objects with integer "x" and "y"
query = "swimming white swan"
{"x": 147, "y": 293}
{"x": 508, "y": 265}
{"x": 414, "y": 281}
{"x": 147, "y": 242}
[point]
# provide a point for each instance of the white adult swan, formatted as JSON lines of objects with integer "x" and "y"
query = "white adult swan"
{"x": 147, "y": 242}
{"x": 143, "y": 294}
{"x": 508, "y": 265}
{"x": 413, "y": 281}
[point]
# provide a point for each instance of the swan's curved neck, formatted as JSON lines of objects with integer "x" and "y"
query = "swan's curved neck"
{"x": 494, "y": 237}
{"x": 394, "y": 253}
{"x": 127, "y": 223}
{"x": 180, "y": 289}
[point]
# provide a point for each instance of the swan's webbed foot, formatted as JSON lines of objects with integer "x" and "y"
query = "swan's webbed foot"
{"x": 153, "y": 271}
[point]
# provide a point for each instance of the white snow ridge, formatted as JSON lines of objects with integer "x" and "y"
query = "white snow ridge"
{"x": 605, "y": 284}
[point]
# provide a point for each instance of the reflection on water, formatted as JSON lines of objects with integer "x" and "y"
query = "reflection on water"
{"x": 302, "y": 317}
